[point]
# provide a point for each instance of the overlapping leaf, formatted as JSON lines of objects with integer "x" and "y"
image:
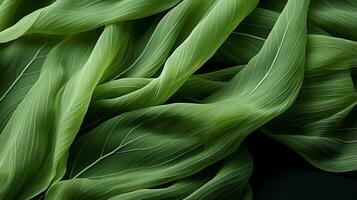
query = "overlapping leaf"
{"x": 321, "y": 125}
{"x": 173, "y": 141}
{"x": 35, "y": 141}
{"x": 153, "y": 99}
{"x": 72, "y": 16}
{"x": 337, "y": 17}
{"x": 199, "y": 46}
{"x": 20, "y": 65}
{"x": 232, "y": 176}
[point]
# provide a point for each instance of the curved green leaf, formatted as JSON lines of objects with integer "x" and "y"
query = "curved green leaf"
{"x": 48, "y": 118}
{"x": 20, "y": 65}
{"x": 320, "y": 125}
{"x": 230, "y": 181}
{"x": 337, "y": 17}
{"x": 199, "y": 46}
{"x": 176, "y": 24}
{"x": 63, "y": 16}
{"x": 174, "y": 141}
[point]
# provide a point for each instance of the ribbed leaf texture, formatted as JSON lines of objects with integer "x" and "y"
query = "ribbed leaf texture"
{"x": 149, "y": 99}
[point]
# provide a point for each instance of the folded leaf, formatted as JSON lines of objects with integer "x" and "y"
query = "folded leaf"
{"x": 199, "y": 46}
{"x": 35, "y": 141}
{"x": 174, "y": 26}
{"x": 230, "y": 181}
{"x": 337, "y": 17}
{"x": 149, "y": 147}
{"x": 196, "y": 88}
{"x": 66, "y": 17}
{"x": 13, "y": 10}
{"x": 320, "y": 126}
{"x": 20, "y": 65}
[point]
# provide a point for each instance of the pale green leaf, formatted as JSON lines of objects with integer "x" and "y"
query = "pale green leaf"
{"x": 174, "y": 141}
{"x": 199, "y": 46}
{"x": 66, "y": 17}
{"x": 48, "y": 118}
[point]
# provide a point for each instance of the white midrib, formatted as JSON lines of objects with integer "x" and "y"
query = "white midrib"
{"x": 22, "y": 72}
{"x": 107, "y": 155}
{"x": 274, "y": 60}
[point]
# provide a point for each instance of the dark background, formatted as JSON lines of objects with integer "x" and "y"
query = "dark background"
{"x": 281, "y": 174}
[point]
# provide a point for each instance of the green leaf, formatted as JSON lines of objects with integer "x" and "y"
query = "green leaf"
{"x": 20, "y": 64}
{"x": 238, "y": 49}
{"x": 7, "y": 8}
{"x": 65, "y": 17}
{"x": 174, "y": 26}
{"x": 259, "y": 22}
{"x": 337, "y": 17}
{"x": 232, "y": 180}
{"x": 13, "y": 10}
{"x": 188, "y": 57}
{"x": 233, "y": 176}
{"x": 320, "y": 126}
{"x": 196, "y": 88}
{"x": 149, "y": 99}
{"x": 174, "y": 141}
{"x": 48, "y": 118}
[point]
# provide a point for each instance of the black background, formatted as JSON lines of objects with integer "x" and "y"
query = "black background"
{"x": 281, "y": 174}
